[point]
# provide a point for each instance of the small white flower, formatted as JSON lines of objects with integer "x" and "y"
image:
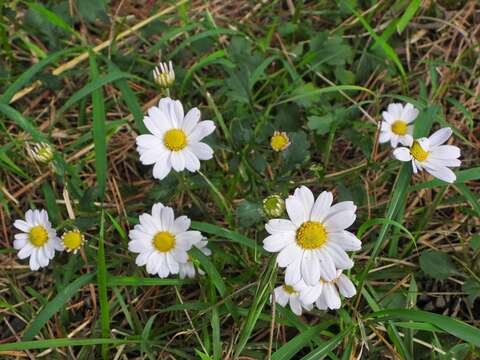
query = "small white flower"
{"x": 174, "y": 141}
{"x": 429, "y": 154}
{"x": 395, "y": 125}
{"x": 164, "y": 75}
{"x": 325, "y": 293}
{"x": 38, "y": 239}
{"x": 313, "y": 243}
{"x": 162, "y": 241}
{"x": 188, "y": 269}
{"x": 289, "y": 294}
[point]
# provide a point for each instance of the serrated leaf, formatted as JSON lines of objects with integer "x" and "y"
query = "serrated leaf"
{"x": 248, "y": 213}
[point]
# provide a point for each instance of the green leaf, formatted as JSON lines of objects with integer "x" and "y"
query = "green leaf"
{"x": 54, "y": 343}
{"x": 437, "y": 264}
{"x": 99, "y": 136}
{"x": 448, "y": 324}
{"x": 56, "y": 304}
{"x": 227, "y": 234}
{"x": 472, "y": 288}
{"x": 475, "y": 243}
{"x": 297, "y": 152}
{"x": 292, "y": 347}
{"x": 54, "y": 18}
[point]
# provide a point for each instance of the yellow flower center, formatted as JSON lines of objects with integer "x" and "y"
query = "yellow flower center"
{"x": 399, "y": 127}
{"x": 164, "y": 241}
{"x": 417, "y": 151}
{"x": 311, "y": 235}
{"x": 289, "y": 289}
{"x": 73, "y": 240}
{"x": 38, "y": 235}
{"x": 279, "y": 141}
{"x": 175, "y": 139}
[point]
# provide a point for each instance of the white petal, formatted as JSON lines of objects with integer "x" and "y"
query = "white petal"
{"x": 296, "y": 211}
{"x": 172, "y": 264}
{"x": 31, "y": 217}
{"x": 149, "y": 141}
{"x": 310, "y": 268}
{"x": 440, "y": 136}
{"x": 339, "y": 256}
{"x": 331, "y": 297}
{"x": 289, "y": 254}
{"x": 26, "y": 251}
{"x": 275, "y": 226}
{"x": 34, "y": 265}
{"x": 281, "y": 297}
{"x": 346, "y": 287}
{"x": 186, "y": 240}
{"x": 394, "y": 140}
{"x": 311, "y": 293}
{"x": 42, "y": 256}
{"x": 306, "y": 198}
{"x": 346, "y": 240}
{"x": 384, "y": 136}
{"x": 203, "y": 129}
{"x": 293, "y": 272}
{"x": 342, "y": 206}
{"x": 406, "y": 140}
{"x": 322, "y": 206}
{"x": 152, "y": 156}
{"x": 162, "y": 168}
{"x": 137, "y": 246}
{"x": 443, "y": 173}
{"x": 177, "y": 112}
{"x": 157, "y": 210}
{"x": 142, "y": 259}
{"x": 177, "y": 160}
{"x": 20, "y": 242}
{"x": 201, "y": 150}
{"x": 153, "y": 126}
{"x": 180, "y": 255}
{"x": 181, "y": 224}
{"x": 327, "y": 266}
{"x": 160, "y": 118}
{"x": 163, "y": 271}
{"x": 22, "y": 225}
{"x": 192, "y": 163}
{"x": 402, "y": 154}
{"x": 409, "y": 113}
{"x": 277, "y": 242}
{"x": 445, "y": 152}
{"x": 295, "y": 305}
{"x": 167, "y": 218}
{"x": 340, "y": 221}
{"x": 191, "y": 120}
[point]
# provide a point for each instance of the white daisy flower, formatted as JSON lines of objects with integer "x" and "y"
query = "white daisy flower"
{"x": 162, "y": 241}
{"x": 325, "y": 293}
{"x": 188, "y": 269}
{"x": 289, "y": 294}
{"x": 313, "y": 243}
{"x": 174, "y": 141}
{"x": 38, "y": 239}
{"x": 429, "y": 154}
{"x": 395, "y": 126}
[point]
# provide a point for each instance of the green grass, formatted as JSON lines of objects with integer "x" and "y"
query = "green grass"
{"x": 322, "y": 71}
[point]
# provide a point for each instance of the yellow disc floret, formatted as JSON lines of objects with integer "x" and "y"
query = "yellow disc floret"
{"x": 175, "y": 139}
{"x": 417, "y": 152}
{"x": 279, "y": 141}
{"x": 289, "y": 289}
{"x": 38, "y": 235}
{"x": 164, "y": 241}
{"x": 73, "y": 240}
{"x": 399, "y": 127}
{"x": 311, "y": 235}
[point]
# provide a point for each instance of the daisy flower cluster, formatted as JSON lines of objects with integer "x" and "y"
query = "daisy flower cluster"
{"x": 312, "y": 246}
{"x": 429, "y": 154}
